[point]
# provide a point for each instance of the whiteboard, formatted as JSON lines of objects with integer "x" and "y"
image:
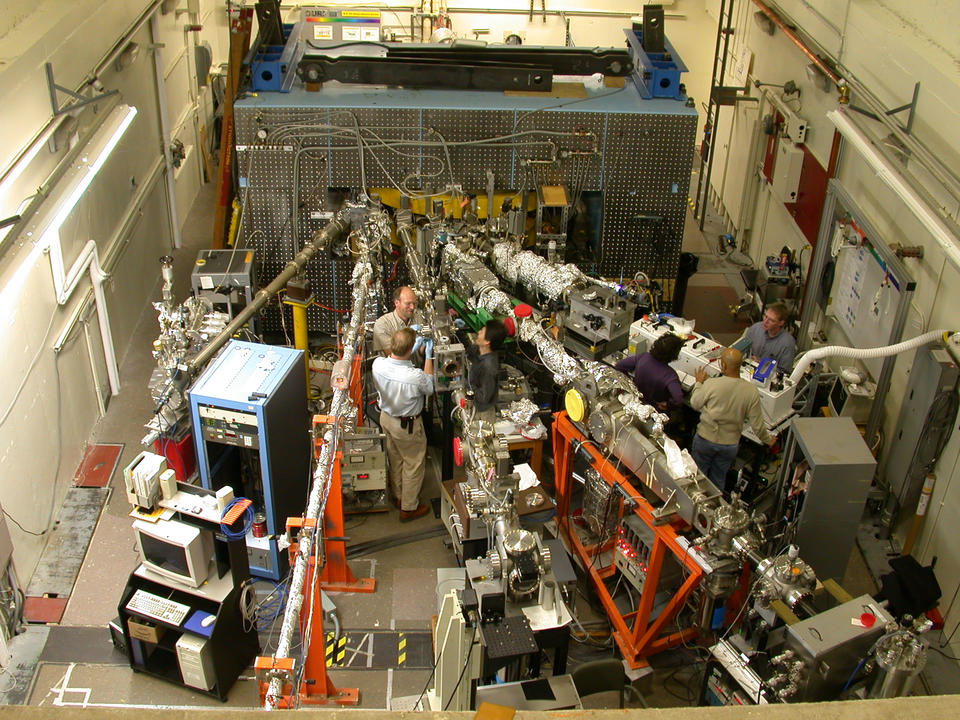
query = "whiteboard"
{"x": 865, "y": 294}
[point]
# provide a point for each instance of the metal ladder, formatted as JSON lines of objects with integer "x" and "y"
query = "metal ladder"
{"x": 724, "y": 32}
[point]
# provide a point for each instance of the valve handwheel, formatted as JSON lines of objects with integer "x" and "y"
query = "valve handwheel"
{"x": 457, "y": 452}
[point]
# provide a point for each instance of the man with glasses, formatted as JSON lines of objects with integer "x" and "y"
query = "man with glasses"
{"x": 769, "y": 338}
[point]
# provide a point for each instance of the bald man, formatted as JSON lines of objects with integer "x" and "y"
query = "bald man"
{"x": 404, "y": 305}
{"x": 725, "y": 402}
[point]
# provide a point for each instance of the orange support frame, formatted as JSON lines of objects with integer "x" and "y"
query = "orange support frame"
{"x": 315, "y": 686}
{"x": 356, "y": 383}
{"x": 336, "y": 575}
{"x": 635, "y": 634}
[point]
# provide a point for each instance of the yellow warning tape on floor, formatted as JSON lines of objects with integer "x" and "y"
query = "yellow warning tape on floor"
{"x": 401, "y": 649}
{"x": 334, "y": 652}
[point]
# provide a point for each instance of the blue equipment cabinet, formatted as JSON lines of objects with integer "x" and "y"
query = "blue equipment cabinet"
{"x": 252, "y": 432}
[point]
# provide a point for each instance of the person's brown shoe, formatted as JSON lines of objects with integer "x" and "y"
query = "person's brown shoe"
{"x": 406, "y": 515}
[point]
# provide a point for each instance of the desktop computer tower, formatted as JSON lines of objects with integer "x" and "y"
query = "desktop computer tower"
{"x": 251, "y": 431}
{"x": 196, "y": 661}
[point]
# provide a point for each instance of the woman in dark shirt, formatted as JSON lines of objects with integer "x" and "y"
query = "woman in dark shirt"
{"x": 653, "y": 376}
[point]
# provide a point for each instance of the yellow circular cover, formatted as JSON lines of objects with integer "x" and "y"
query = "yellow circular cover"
{"x": 576, "y": 407}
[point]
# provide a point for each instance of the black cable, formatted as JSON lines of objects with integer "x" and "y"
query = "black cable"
{"x": 28, "y": 532}
{"x": 948, "y": 657}
{"x": 466, "y": 664}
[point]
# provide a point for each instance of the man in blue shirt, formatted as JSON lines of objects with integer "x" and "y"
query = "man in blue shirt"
{"x": 769, "y": 339}
{"x": 403, "y": 389}
{"x": 652, "y": 374}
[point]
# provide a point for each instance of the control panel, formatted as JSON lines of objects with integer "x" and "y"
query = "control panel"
{"x": 229, "y": 427}
{"x": 632, "y": 553}
{"x": 249, "y": 407}
{"x": 363, "y": 463}
{"x": 776, "y": 390}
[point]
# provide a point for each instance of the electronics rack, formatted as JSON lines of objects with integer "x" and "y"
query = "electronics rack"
{"x": 251, "y": 432}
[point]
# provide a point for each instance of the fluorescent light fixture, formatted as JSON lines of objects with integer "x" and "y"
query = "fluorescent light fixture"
{"x": 46, "y": 234}
{"x": 946, "y": 238}
{"x": 21, "y": 164}
{"x": 92, "y": 157}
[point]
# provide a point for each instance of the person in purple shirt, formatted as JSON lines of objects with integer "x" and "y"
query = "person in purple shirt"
{"x": 653, "y": 376}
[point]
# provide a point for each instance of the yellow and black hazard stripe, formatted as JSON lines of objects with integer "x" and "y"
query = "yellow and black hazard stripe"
{"x": 335, "y": 649}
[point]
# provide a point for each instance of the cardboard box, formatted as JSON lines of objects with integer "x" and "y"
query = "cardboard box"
{"x": 144, "y": 630}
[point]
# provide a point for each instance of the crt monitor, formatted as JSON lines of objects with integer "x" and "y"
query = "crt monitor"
{"x": 175, "y": 550}
{"x": 838, "y": 398}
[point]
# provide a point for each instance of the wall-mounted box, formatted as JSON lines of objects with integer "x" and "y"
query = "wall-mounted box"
{"x": 786, "y": 171}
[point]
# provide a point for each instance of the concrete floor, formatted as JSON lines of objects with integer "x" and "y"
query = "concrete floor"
{"x": 74, "y": 664}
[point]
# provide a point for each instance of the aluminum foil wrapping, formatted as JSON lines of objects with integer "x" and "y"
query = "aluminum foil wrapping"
{"x": 521, "y": 411}
{"x": 467, "y": 274}
{"x": 635, "y": 407}
{"x": 341, "y": 406}
{"x": 533, "y": 272}
{"x": 495, "y": 301}
{"x": 502, "y": 255}
{"x": 608, "y": 379}
{"x": 565, "y": 368}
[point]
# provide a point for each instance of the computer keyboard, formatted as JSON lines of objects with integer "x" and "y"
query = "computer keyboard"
{"x": 158, "y": 608}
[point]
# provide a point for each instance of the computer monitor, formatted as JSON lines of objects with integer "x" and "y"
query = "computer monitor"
{"x": 742, "y": 344}
{"x": 175, "y": 550}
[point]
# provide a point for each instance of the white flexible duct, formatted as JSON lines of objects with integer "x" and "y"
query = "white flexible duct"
{"x": 863, "y": 354}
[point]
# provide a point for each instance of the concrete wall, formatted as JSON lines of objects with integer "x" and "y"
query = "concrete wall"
{"x": 50, "y": 402}
{"x": 886, "y": 47}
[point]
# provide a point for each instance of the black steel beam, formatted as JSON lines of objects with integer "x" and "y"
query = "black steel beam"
{"x": 437, "y": 73}
{"x": 563, "y": 61}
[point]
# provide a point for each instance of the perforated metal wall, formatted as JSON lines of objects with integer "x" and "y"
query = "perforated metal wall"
{"x": 290, "y": 158}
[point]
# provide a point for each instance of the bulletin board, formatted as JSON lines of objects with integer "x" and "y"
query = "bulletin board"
{"x": 865, "y": 293}
{"x": 858, "y": 281}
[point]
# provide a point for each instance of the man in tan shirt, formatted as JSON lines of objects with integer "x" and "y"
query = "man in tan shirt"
{"x": 724, "y": 402}
{"x": 404, "y": 305}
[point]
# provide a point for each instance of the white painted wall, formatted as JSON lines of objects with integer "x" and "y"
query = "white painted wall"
{"x": 48, "y": 401}
{"x": 886, "y": 46}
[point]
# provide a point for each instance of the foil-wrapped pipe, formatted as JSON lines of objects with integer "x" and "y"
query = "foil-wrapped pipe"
{"x": 565, "y": 368}
{"x": 340, "y": 409}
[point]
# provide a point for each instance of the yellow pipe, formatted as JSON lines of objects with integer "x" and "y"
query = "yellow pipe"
{"x": 234, "y": 218}
{"x": 421, "y": 206}
{"x": 300, "y": 335}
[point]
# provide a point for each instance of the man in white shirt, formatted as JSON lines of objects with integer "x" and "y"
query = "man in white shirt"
{"x": 403, "y": 389}
{"x": 404, "y": 305}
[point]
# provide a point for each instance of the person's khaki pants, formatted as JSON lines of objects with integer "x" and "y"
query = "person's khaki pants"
{"x": 405, "y": 451}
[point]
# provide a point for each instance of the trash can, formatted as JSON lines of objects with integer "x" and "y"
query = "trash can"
{"x": 687, "y": 267}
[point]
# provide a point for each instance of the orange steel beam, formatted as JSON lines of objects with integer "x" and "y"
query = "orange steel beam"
{"x": 635, "y": 635}
{"x": 336, "y": 574}
{"x": 241, "y": 24}
{"x": 315, "y": 686}
{"x": 356, "y": 383}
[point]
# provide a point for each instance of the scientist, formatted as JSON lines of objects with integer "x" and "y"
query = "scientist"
{"x": 403, "y": 389}
{"x": 652, "y": 374}
{"x": 484, "y": 367}
{"x": 404, "y": 305}
{"x": 724, "y": 402}
{"x": 768, "y": 338}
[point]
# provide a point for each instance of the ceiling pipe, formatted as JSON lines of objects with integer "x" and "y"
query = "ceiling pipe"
{"x": 821, "y": 65}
